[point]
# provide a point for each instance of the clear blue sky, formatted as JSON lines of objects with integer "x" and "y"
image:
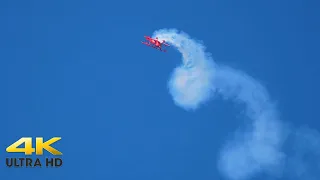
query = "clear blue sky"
{"x": 77, "y": 69}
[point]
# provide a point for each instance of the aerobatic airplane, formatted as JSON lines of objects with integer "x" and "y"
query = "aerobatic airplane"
{"x": 155, "y": 43}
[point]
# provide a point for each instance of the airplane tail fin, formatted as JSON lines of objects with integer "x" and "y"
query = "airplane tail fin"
{"x": 164, "y": 43}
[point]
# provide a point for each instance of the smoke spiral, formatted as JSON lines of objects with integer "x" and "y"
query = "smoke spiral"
{"x": 258, "y": 149}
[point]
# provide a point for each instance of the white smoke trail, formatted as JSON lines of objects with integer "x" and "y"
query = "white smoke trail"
{"x": 257, "y": 150}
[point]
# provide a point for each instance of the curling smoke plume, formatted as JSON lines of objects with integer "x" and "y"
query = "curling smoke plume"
{"x": 259, "y": 149}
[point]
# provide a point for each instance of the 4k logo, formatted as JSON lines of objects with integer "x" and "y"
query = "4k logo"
{"x": 40, "y": 145}
{"x": 28, "y": 150}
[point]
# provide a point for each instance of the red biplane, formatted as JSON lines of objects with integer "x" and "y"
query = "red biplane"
{"x": 155, "y": 43}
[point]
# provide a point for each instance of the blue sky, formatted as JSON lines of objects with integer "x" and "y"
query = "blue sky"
{"x": 77, "y": 69}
